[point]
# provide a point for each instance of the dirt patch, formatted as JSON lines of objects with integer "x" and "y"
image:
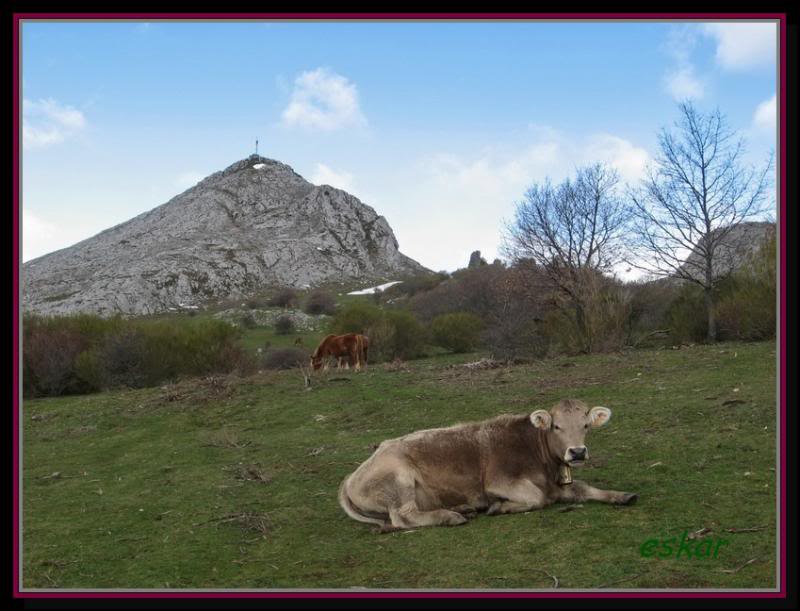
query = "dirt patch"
{"x": 397, "y": 365}
{"x": 224, "y": 438}
{"x": 249, "y": 522}
{"x": 191, "y": 393}
{"x": 251, "y": 473}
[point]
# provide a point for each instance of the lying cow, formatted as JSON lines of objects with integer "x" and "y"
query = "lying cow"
{"x": 509, "y": 464}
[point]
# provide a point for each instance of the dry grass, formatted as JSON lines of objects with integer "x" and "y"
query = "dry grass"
{"x": 224, "y": 438}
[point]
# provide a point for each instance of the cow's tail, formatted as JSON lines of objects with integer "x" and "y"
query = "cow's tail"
{"x": 351, "y": 510}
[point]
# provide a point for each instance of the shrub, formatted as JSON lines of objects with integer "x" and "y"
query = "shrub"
{"x": 608, "y": 310}
{"x": 409, "y": 335}
{"x": 649, "y": 311}
{"x": 457, "y": 332}
{"x": 256, "y": 302}
{"x": 248, "y": 321}
{"x": 355, "y": 317}
{"x": 237, "y": 360}
{"x": 381, "y": 341}
{"x": 418, "y": 284}
{"x": 284, "y": 358}
{"x": 284, "y": 325}
{"x": 125, "y": 360}
{"x": 514, "y": 326}
{"x": 320, "y": 302}
{"x": 49, "y": 356}
{"x": 512, "y": 337}
{"x": 747, "y": 307}
{"x": 686, "y": 316}
{"x": 392, "y": 333}
{"x": 468, "y": 290}
{"x": 82, "y": 354}
{"x": 284, "y": 298}
{"x": 90, "y": 370}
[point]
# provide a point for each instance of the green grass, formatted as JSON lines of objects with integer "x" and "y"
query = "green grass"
{"x": 232, "y": 484}
{"x": 255, "y": 338}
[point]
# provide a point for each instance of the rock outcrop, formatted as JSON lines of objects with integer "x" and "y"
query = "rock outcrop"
{"x": 254, "y": 225}
{"x": 732, "y": 251}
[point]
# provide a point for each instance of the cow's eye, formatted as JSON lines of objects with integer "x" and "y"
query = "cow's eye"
{"x": 556, "y": 427}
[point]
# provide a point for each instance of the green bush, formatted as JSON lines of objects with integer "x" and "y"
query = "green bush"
{"x": 747, "y": 306}
{"x": 687, "y": 317}
{"x": 284, "y": 325}
{"x": 381, "y": 341}
{"x": 247, "y": 321}
{"x": 284, "y": 358}
{"x": 355, "y": 317}
{"x": 67, "y": 355}
{"x": 320, "y": 302}
{"x": 392, "y": 333}
{"x": 409, "y": 335}
{"x": 284, "y": 298}
{"x": 457, "y": 332}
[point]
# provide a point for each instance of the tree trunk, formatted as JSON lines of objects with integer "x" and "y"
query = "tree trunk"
{"x": 712, "y": 321}
{"x": 583, "y": 330}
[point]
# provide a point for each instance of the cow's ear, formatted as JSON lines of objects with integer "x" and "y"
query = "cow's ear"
{"x": 599, "y": 416}
{"x": 541, "y": 419}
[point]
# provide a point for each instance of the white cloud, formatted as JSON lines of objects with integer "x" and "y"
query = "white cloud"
{"x": 42, "y": 234}
{"x": 465, "y": 200}
{"x": 682, "y": 83}
{"x": 323, "y": 100}
{"x": 188, "y": 179}
{"x": 629, "y": 160}
{"x": 741, "y": 46}
{"x": 37, "y": 235}
{"x": 323, "y": 175}
{"x": 46, "y": 122}
{"x": 681, "y": 41}
{"x": 766, "y": 115}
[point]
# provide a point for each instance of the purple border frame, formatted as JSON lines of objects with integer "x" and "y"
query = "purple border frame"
{"x": 18, "y": 17}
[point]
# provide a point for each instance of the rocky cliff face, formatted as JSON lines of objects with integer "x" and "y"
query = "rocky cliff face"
{"x": 733, "y": 251}
{"x": 253, "y": 225}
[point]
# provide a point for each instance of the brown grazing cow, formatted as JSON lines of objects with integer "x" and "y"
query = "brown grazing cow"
{"x": 351, "y": 349}
{"x": 509, "y": 464}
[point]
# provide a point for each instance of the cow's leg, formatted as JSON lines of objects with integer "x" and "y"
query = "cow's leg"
{"x": 580, "y": 491}
{"x": 468, "y": 511}
{"x": 518, "y": 497}
{"x": 406, "y": 513}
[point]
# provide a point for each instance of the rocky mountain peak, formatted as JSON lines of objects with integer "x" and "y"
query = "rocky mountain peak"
{"x": 253, "y": 225}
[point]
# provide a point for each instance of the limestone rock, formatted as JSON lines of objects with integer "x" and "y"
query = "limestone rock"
{"x": 255, "y": 224}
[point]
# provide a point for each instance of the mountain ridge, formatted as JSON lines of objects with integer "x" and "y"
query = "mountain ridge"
{"x": 253, "y": 225}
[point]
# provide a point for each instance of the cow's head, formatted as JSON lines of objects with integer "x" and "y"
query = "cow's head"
{"x": 566, "y": 425}
{"x": 315, "y": 362}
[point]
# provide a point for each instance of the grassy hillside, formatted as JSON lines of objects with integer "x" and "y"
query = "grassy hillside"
{"x": 232, "y": 483}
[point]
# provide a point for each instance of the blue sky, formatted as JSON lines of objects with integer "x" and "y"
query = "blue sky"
{"x": 438, "y": 126}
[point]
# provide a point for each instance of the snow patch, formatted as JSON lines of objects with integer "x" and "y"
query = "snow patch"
{"x": 259, "y": 166}
{"x": 375, "y": 289}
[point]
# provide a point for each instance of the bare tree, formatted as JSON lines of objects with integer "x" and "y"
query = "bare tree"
{"x": 573, "y": 232}
{"x": 691, "y": 201}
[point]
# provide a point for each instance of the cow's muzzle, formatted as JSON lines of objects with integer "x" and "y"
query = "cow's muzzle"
{"x": 576, "y": 455}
